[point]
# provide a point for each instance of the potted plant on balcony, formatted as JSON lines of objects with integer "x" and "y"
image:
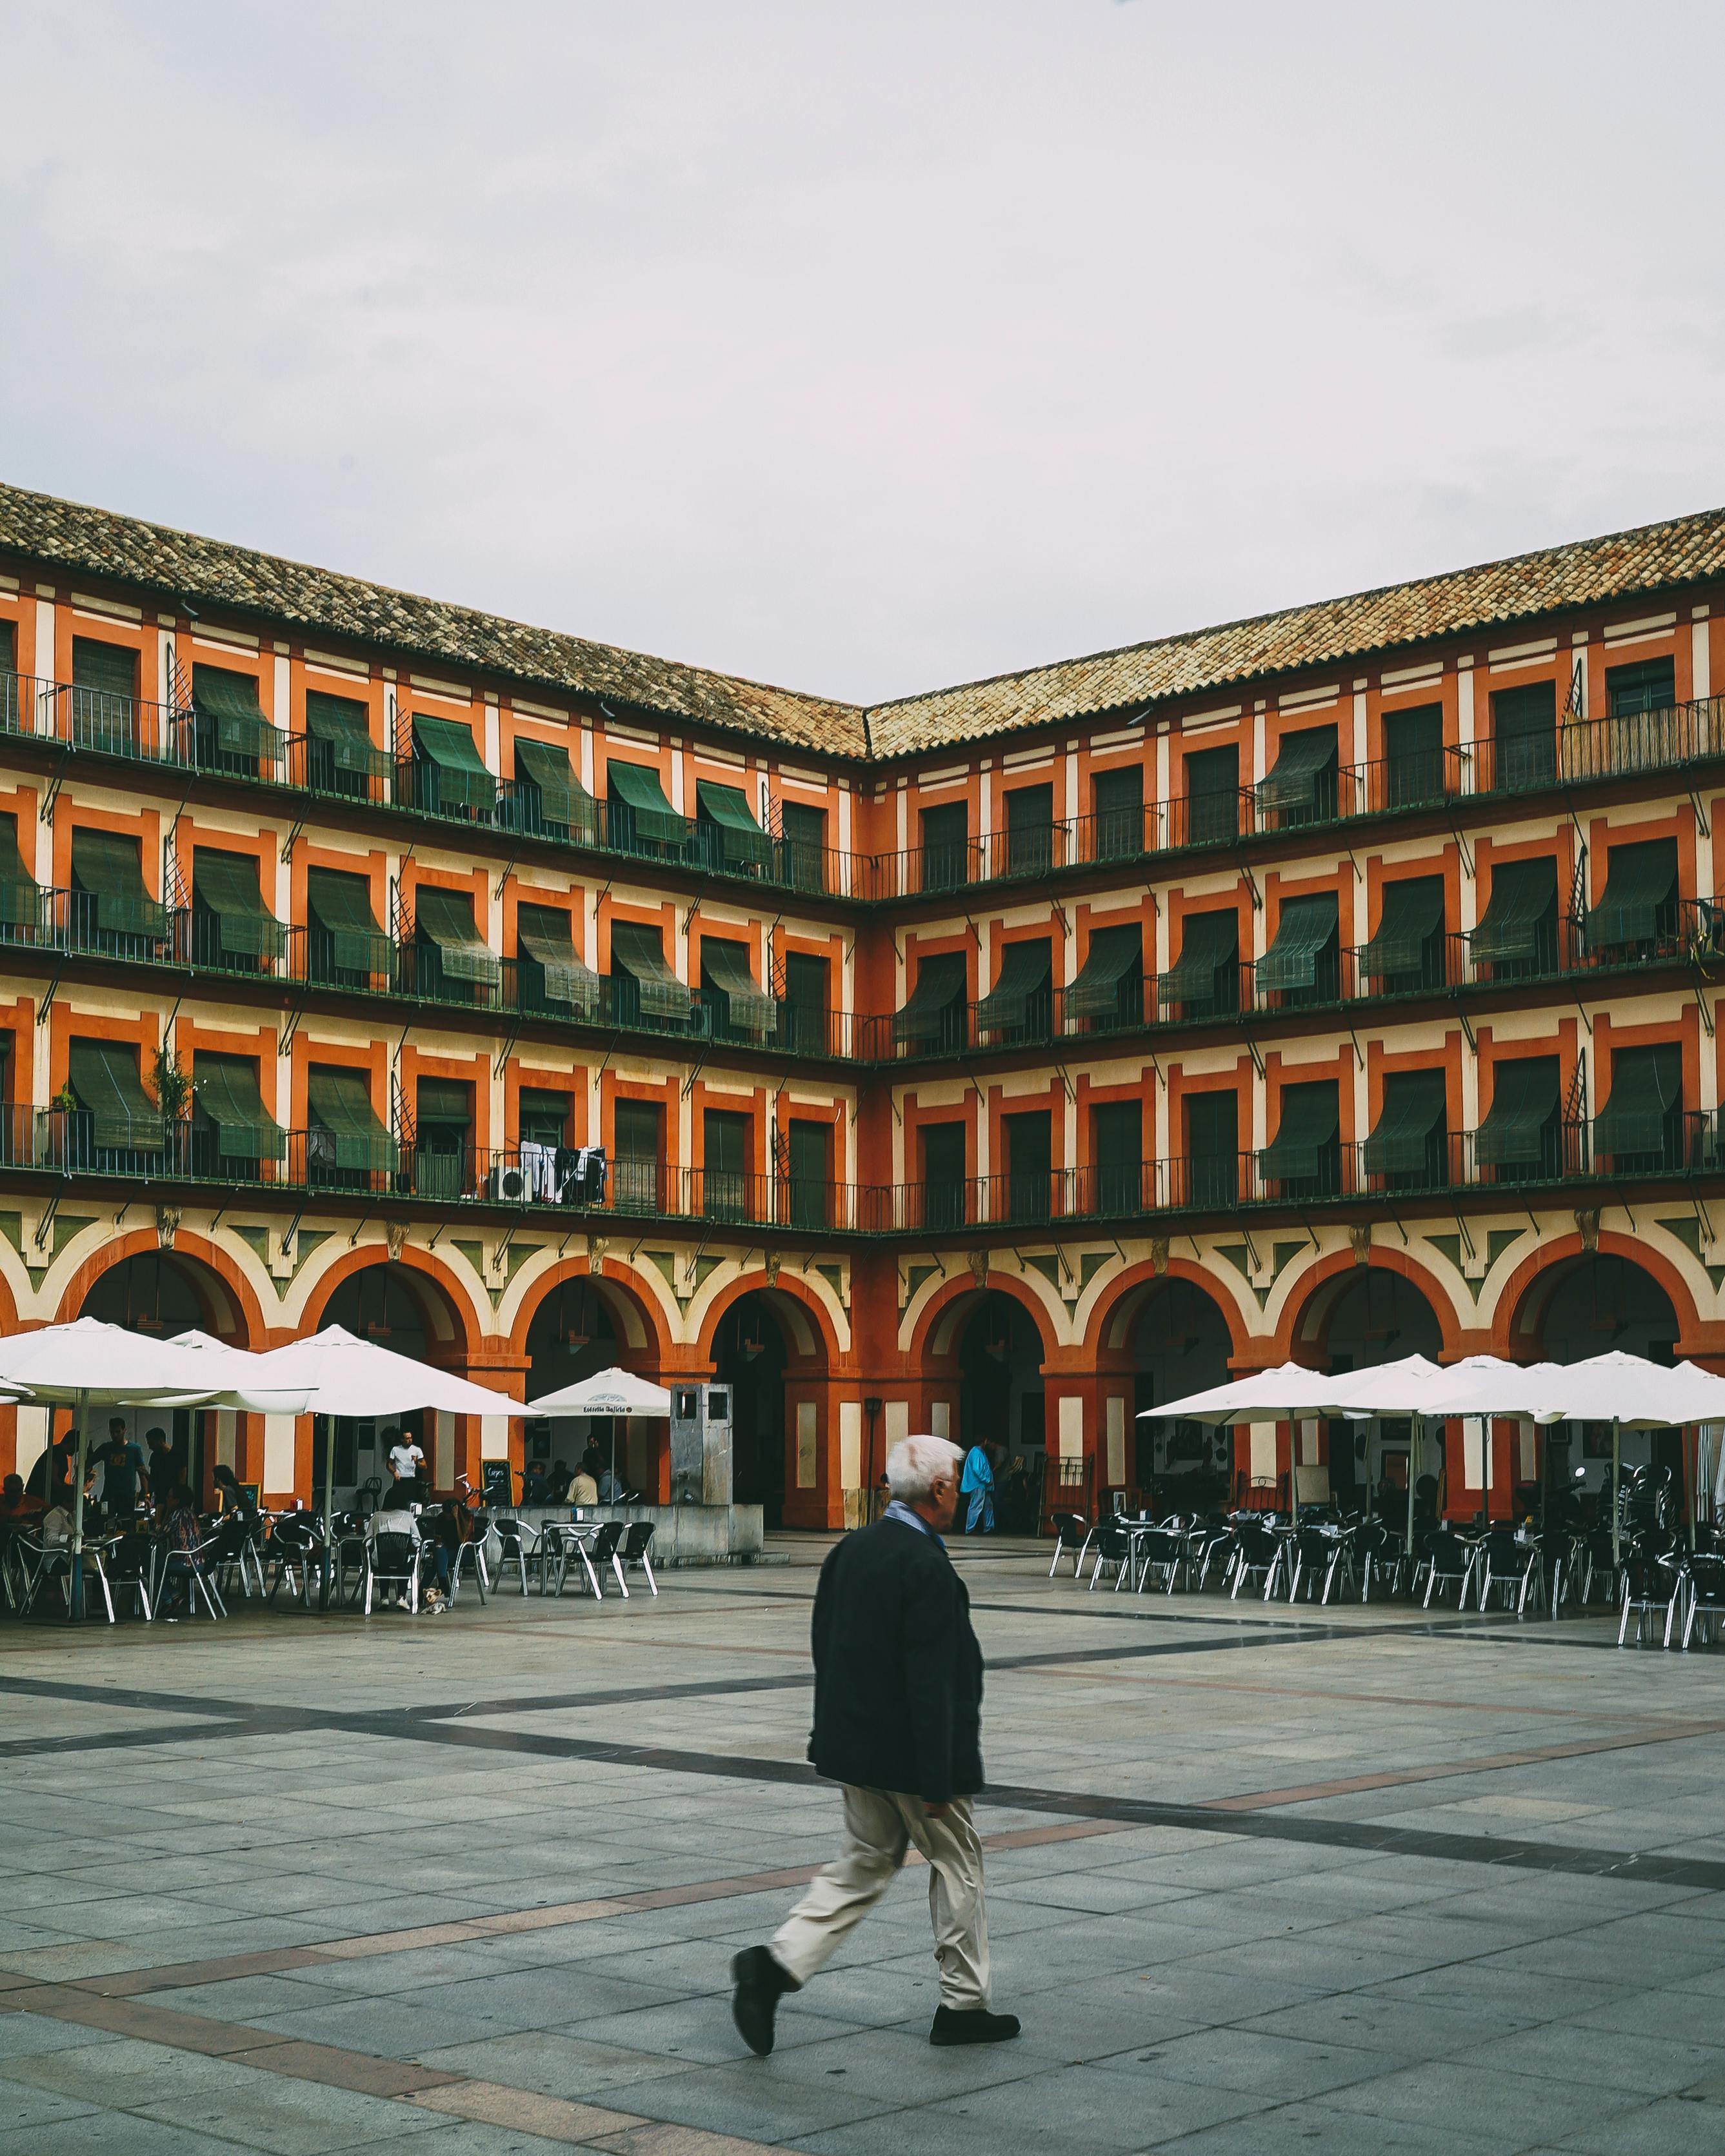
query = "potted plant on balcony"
{"x": 173, "y": 1097}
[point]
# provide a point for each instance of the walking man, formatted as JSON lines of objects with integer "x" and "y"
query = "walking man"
{"x": 898, "y": 1694}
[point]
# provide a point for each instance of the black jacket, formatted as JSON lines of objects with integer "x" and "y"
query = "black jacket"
{"x": 898, "y": 1674}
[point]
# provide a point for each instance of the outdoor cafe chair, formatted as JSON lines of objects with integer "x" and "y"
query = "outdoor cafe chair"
{"x": 1704, "y": 1595}
{"x": 1113, "y": 1547}
{"x": 1157, "y": 1555}
{"x": 563, "y": 1543}
{"x": 1317, "y": 1553}
{"x": 1073, "y": 1537}
{"x": 349, "y": 1551}
{"x": 1652, "y": 1589}
{"x": 128, "y": 1568}
{"x": 196, "y": 1567}
{"x": 396, "y": 1557}
{"x": 633, "y": 1550}
{"x": 519, "y": 1543}
{"x": 295, "y": 1547}
{"x": 469, "y": 1556}
{"x": 1206, "y": 1542}
{"x": 1514, "y": 1567}
{"x": 1447, "y": 1558}
{"x": 1257, "y": 1553}
{"x": 603, "y": 1552}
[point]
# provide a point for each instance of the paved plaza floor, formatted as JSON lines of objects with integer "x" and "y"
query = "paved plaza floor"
{"x": 1259, "y": 1880}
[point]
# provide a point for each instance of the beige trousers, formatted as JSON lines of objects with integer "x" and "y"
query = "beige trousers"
{"x": 880, "y": 1825}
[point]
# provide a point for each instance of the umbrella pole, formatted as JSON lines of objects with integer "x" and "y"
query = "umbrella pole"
{"x": 1616, "y": 1494}
{"x": 1416, "y": 1438}
{"x": 329, "y": 1509}
{"x": 75, "y": 1584}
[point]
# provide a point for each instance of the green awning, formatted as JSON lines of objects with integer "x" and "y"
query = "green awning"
{"x": 752, "y": 1010}
{"x": 544, "y": 935}
{"x": 1115, "y": 956}
{"x": 20, "y": 895}
{"x": 104, "y": 1075}
{"x": 1525, "y": 1093}
{"x": 562, "y": 798}
{"x": 1641, "y": 884}
{"x": 342, "y": 723}
{"x": 1211, "y": 941}
{"x": 1307, "y": 928}
{"x": 1311, "y": 1119}
{"x": 107, "y": 867}
{"x": 1646, "y": 1087}
{"x": 227, "y": 884}
{"x": 1291, "y": 781}
{"x": 342, "y": 905}
{"x": 1025, "y": 969}
{"x": 1523, "y": 893}
{"x": 226, "y": 1089}
{"x": 340, "y": 1102}
{"x": 1414, "y": 1106}
{"x": 941, "y": 983}
{"x": 443, "y": 1104}
{"x": 230, "y": 701}
{"x": 744, "y": 844}
{"x": 1412, "y": 913}
{"x": 640, "y": 951}
{"x": 639, "y": 790}
{"x": 461, "y": 774}
{"x": 445, "y": 917}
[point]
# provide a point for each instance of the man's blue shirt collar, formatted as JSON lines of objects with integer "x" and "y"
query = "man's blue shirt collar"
{"x": 898, "y": 1510}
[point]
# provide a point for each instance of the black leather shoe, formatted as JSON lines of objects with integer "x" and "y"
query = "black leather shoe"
{"x": 973, "y": 2025}
{"x": 761, "y": 1983}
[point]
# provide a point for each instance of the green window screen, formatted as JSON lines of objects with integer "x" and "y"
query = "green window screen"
{"x": 8, "y": 648}
{"x": 543, "y": 1117}
{"x": 562, "y": 798}
{"x": 20, "y": 899}
{"x": 1414, "y": 1111}
{"x": 1646, "y": 1096}
{"x": 940, "y": 984}
{"x": 805, "y": 839}
{"x": 1651, "y": 686}
{"x": 107, "y": 868}
{"x": 1213, "y": 1124}
{"x": 1414, "y": 755}
{"x": 1412, "y": 913}
{"x": 1305, "y": 931}
{"x": 445, "y": 918}
{"x": 1115, "y": 959}
{"x": 653, "y": 817}
{"x": 1524, "y": 724}
{"x": 340, "y": 1102}
{"x": 640, "y": 951}
{"x": 104, "y": 1076}
{"x": 225, "y": 1087}
{"x": 726, "y": 967}
{"x": 1292, "y": 780}
{"x": 462, "y": 778}
{"x": 543, "y": 935}
{"x": 1524, "y": 894}
{"x": 1210, "y": 942}
{"x": 1030, "y": 829}
{"x": 229, "y": 701}
{"x": 1020, "y": 995}
{"x": 1306, "y": 1134}
{"x": 341, "y": 905}
{"x": 343, "y": 723}
{"x": 724, "y": 809}
{"x": 724, "y": 1143}
{"x": 227, "y": 884}
{"x": 443, "y": 1103}
{"x": 634, "y": 1126}
{"x": 105, "y": 669}
{"x": 1118, "y": 1152}
{"x": 1117, "y": 800}
{"x": 1638, "y": 901}
{"x": 1525, "y": 1094}
{"x": 942, "y": 1154}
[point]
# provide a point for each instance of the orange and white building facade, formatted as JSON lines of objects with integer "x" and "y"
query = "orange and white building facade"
{"x": 1334, "y": 983}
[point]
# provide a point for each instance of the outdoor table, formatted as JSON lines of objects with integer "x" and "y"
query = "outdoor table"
{"x": 569, "y": 1538}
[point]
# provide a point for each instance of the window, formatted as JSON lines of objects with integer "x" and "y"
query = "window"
{"x": 345, "y": 1144}
{"x": 231, "y": 732}
{"x": 1212, "y": 1147}
{"x": 341, "y": 757}
{"x": 233, "y": 1131}
{"x": 119, "y": 1128}
{"x": 232, "y": 928}
{"x": 1029, "y": 1164}
{"x": 1638, "y": 910}
{"x": 442, "y": 1132}
{"x": 1109, "y": 989}
{"x": 447, "y": 775}
{"x": 1303, "y": 964}
{"x": 542, "y": 1118}
{"x": 1521, "y": 1137}
{"x": 105, "y": 687}
{"x": 1524, "y": 727}
{"x": 451, "y": 959}
{"x": 1409, "y": 1147}
{"x": 10, "y": 707}
{"x": 739, "y": 1009}
{"x": 808, "y": 1147}
{"x": 1650, "y": 686}
{"x": 112, "y": 911}
{"x": 1407, "y": 951}
{"x": 945, "y": 846}
{"x": 1518, "y": 932}
{"x": 635, "y": 1127}
{"x": 1204, "y": 981}
{"x": 1212, "y": 796}
{"x": 1030, "y": 830}
{"x": 21, "y": 918}
{"x": 803, "y": 846}
{"x": 803, "y": 1015}
{"x": 1304, "y": 1158}
{"x": 644, "y": 990}
{"x": 724, "y": 1145}
{"x": 551, "y": 977}
{"x": 943, "y": 1175}
{"x": 1413, "y": 755}
{"x": 1020, "y": 1005}
{"x": 933, "y": 1019}
{"x": 344, "y": 945}
{"x": 1301, "y": 786}
{"x": 729, "y": 837}
{"x": 548, "y": 795}
{"x": 1117, "y": 800}
{"x": 1116, "y": 1132}
{"x": 639, "y": 820}
{"x": 1640, "y": 1129}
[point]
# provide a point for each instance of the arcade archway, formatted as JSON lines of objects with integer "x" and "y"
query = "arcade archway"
{"x": 999, "y": 1351}
{"x": 409, "y": 1313}
{"x": 1176, "y": 1342}
{"x": 1361, "y": 1318}
{"x": 750, "y": 1355}
{"x": 1601, "y": 1302}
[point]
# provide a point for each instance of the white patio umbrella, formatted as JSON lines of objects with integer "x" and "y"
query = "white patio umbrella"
{"x": 613, "y": 1391}
{"x": 1401, "y": 1387}
{"x": 1283, "y": 1395}
{"x": 1633, "y": 1393}
{"x": 88, "y": 1364}
{"x": 344, "y": 1375}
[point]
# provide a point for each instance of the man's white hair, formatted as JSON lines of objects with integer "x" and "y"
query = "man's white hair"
{"x": 915, "y": 1463}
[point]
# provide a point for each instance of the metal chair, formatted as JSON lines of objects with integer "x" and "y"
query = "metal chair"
{"x": 1652, "y": 1588}
{"x": 1318, "y": 1552}
{"x": 1448, "y": 1559}
{"x": 1704, "y": 1596}
{"x": 1514, "y": 1567}
{"x": 1157, "y": 1555}
{"x": 562, "y": 1544}
{"x": 1113, "y": 1547}
{"x": 196, "y": 1567}
{"x": 633, "y": 1550}
{"x": 603, "y": 1552}
{"x": 470, "y": 1557}
{"x": 1257, "y": 1552}
{"x": 296, "y": 1545}
{"x": 519, "y": 1543}
{"x": 395, "y": 1557}
{"x": 1073, "y": 1535}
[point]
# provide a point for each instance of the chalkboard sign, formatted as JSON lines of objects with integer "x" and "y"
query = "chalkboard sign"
{"x": 499, "y": 1483}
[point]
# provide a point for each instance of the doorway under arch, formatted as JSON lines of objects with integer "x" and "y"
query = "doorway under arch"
{"x": 1001, "y": 1402}
{"x": 1178, "y": 1342}
{"x": 750, "y": 1354}
{"x": 1374, "y": 1316}
{"x": 399, "y": 1308}
{"x": 1603, "y": 1302}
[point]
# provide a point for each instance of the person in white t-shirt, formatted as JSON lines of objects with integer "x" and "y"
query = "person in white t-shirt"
{"x": 407, "y": 1461}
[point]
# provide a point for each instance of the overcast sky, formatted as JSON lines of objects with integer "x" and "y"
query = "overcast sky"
{"x": 861, "y": 346}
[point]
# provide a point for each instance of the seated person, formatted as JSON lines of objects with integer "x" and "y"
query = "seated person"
{"x": 230, "y": 1497}
{"x": 181, "y": 1534}
{"x": 582, "y": 1489}
{"x": 558, "y": 1481}
{"x": 612, "y": 1489}
{"x": 533, "y": 1483}
{"x": 16, "y": 1503}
